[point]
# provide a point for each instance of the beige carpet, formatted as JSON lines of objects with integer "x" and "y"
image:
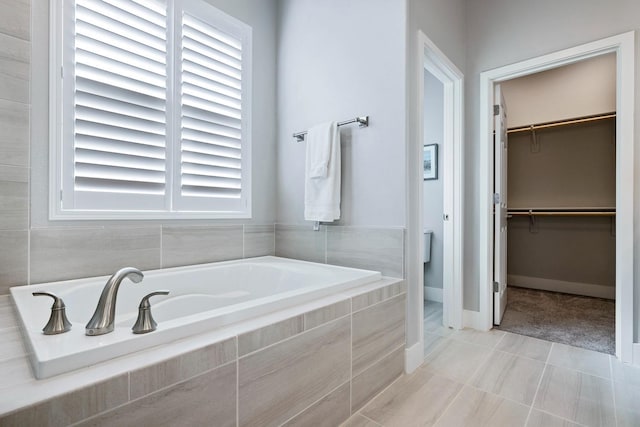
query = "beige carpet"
{"x": 569, "y": 319}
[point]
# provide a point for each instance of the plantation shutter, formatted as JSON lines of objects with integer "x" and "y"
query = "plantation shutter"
{"x": 118, "y": 78}
{"x": 213, "y": 171}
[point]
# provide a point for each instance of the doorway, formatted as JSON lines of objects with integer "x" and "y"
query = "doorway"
{"x": 558, "y": 231}
{"x": 430, "y": 58}
{"x": 622, "y": 47}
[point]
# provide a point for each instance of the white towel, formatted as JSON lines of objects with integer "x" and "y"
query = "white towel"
{"x": 322, "y": 173}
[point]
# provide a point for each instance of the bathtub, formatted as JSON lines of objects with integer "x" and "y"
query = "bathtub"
{"x": 202, "y": 298}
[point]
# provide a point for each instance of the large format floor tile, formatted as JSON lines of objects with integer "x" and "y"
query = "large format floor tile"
{"x": 580, "y": 359}
{"x": 510, "y": 376}
{"x": 456, "y": 359}
{"x": 576, "y": 396}
{"x": 477, "y": 408}
{"x": 532, "y": 348}
{"x": 418, "y": 399}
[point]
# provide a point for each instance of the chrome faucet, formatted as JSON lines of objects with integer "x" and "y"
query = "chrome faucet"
{"x": 104, "y": 317}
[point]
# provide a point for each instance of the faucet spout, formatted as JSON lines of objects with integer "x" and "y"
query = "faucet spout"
{"x": 103, "y": 318}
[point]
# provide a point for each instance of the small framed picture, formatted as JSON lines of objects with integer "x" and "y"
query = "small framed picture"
{"x": 430, "y": 161}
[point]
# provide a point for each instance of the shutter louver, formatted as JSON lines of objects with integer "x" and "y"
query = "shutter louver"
{"x": 211, "y": 116}
{"x": 120, "y": 99}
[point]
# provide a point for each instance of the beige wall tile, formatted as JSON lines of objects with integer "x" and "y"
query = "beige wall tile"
{"x": 378, "y": 295}
{"x": 373, "y": 380}
{"x": 72, "y": 407}
{"x": 330, "y": 411}
{"x": 378, "y": 249}
{"x": 14, "y": 140}
{"x": 208, "y": 399}
{"x": 576, "y": 396}
{"x": 271, "y": 334}
{"x": 151, "y": 378}
{"x": 509, "y": 376}
{"x": 376, "y": 331}
{"x": 15, "y": 18}
{"x": 326, "y": 314}
{"x": 13, "y": 259}
{"x": 11, "y": 343}
{"x": 200, "y": 244}
{"x": 301, "y": 242}
{"x": 14, "y": 57}
{"x": 403, "y": 403}
{"x": 477, "y": 408}
{"x": 259, "y": 240}
{"x": 263, "y": 398}
{"x": 70, "y": 253}
{"x": 14, "y": 198}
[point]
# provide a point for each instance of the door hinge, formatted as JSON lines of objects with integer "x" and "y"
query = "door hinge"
{"x": 496, "y": 198}
{"x": 496, "y": 110}
{"x": 496, "y": 287}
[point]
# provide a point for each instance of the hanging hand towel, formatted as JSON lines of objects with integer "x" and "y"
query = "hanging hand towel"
{"x": 322, "y": 173}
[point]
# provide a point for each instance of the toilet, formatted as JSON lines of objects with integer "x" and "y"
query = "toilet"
{"x": 426, "y": 257}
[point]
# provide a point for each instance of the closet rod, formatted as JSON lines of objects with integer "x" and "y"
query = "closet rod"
{"x": 562, "y": 123}
{"x": 561, "y": 213}
{"x": 363, "y": 122}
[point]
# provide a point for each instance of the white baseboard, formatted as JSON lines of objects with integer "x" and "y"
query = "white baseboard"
{"x": 576, "y": 288}
{"x": 413, "y": 357}
{"x": 636, "y": 354}
{"x": 472, "y": 319}
{"x": 432, "y": 294}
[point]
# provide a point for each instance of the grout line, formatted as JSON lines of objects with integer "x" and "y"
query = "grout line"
{"x": 161, "y": 244}
{"x": 237, "y": 383}
{"x": 373, "y": 421}
{"x": 535, "y": 395}
{"x": 243, "y": 240}
{"x": 314, "y": 402}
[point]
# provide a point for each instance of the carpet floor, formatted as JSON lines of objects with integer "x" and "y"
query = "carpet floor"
{"x": 568, "y": 319}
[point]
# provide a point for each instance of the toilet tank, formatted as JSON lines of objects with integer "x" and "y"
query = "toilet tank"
{"x": 427, "y": 246}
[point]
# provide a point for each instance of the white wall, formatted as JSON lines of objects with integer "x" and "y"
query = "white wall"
{"x": 502, "y": 32}
{"x": 338, "y": 60}
{"x": 576, "y": 90}
{"x": 261, "y": 15}
{"x": 433, "y": 188}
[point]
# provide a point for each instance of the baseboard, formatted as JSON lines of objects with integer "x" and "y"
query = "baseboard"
{"x": 432, "y": 294}
{"x": 472, "y": 319}
{"x": 413, "y": 357}
{"x": 576, "y": 288}
{"x": 636, "y": 354}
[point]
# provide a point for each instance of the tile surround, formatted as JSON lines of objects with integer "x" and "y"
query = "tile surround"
{"x": 301, "y": 242}
{"x": 13, "y": 258}
{"x": 200, "y": 244}
{"x": 265, "y": 402}
{"x": 200, "y": 385}
{"x": 69, "y": 253}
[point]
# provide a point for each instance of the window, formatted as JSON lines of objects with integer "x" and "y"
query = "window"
{"x": 150, "y": 111}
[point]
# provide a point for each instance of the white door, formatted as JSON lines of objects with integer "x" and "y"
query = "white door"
{"x": 500, "y": 208}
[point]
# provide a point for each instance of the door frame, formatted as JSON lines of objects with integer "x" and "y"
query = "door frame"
{"x": 624, "y": 47}
{"x": 429, "y": 57}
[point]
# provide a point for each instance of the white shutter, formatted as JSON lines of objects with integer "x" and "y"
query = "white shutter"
{"x": 214, "y": 71}
{"x": 118, "y": 79}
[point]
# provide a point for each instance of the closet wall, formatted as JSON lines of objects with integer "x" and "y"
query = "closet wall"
{"x": 571, "y": 166}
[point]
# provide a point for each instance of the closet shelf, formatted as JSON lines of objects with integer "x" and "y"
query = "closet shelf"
{"x": 577, "y": 120}
{"x": 563, "y": 212}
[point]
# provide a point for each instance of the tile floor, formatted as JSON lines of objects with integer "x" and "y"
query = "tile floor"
{"x": 498, "y": 378}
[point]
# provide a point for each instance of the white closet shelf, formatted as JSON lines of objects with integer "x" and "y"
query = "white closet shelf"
{"x": 600, "y": 211}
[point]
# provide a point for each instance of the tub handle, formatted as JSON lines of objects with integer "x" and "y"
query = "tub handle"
{"x": 58, "y": 322}
{"x": 144, "y": 322}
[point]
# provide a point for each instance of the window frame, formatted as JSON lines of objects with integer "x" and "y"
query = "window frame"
{"x": 61, "y": 137}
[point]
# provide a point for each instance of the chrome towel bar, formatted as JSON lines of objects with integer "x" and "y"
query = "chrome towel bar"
{"x": 363, "y": 122}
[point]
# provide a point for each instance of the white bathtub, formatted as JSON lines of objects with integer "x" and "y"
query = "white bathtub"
{"x": 202, "y": 297}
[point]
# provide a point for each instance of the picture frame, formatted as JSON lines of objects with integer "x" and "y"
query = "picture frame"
{"x": 430, "y": 162}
